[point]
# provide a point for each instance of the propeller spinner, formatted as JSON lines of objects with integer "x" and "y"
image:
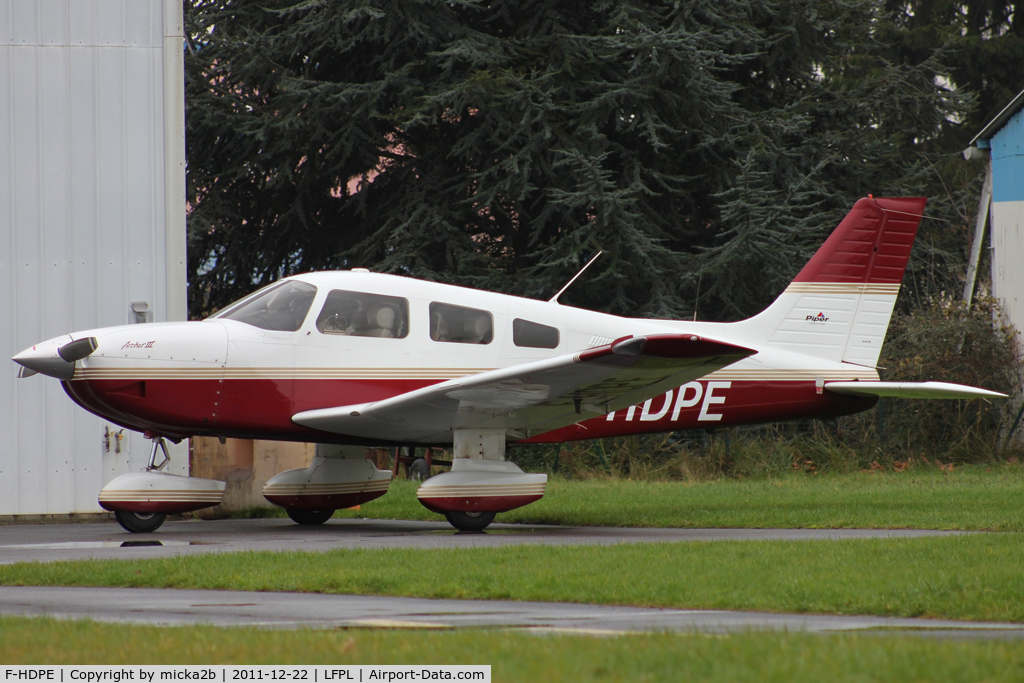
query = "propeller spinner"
{"x": 55, "y": 359}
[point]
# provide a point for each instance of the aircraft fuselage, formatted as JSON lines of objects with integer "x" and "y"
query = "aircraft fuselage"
{"x": 227, "y": 377}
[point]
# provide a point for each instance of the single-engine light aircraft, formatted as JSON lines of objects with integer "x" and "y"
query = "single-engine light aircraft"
{"x": 352, "y": 359}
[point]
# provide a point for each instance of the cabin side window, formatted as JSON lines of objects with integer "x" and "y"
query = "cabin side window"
{"x": 358, "y": 314}
{"x": 533, "y": 335}
{"x": 281, "y": 307}
{"x": 460, "y": 325}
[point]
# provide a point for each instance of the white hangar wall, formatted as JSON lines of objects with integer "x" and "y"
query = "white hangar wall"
{"x": 88, "y": 171}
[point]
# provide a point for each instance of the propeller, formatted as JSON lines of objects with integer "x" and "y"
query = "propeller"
{"x": 60, "y": 364}
{"x": 78, "y": 349}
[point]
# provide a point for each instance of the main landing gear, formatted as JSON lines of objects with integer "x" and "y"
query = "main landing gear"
{"x": 419, "y": 470}
{"x": 339, "y": 477}
{"x": 309, "y": 517}
{"x": 469, "y": 521}
{"x": 481, "y": 482}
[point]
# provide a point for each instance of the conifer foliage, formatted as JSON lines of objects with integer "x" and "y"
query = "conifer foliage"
{"x": 706, "y": 146}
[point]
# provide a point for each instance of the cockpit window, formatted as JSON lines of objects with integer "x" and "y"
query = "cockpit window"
{"x": 281, "y": 307}
{"x": 463, "y": 325}
{"x": 357, "y": 314}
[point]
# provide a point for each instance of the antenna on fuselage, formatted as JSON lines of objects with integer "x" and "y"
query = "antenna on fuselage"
{"x": 568, "y": 284}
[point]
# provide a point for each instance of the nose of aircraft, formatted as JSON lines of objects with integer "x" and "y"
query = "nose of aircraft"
{"x": 153, "y": 345}
{"x": 55, "y": 357}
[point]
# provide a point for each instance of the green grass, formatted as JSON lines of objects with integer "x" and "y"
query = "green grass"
{"x": 979, "y": 498}
{"x": 975, "y": 577}
{"x": 517, "y": 656}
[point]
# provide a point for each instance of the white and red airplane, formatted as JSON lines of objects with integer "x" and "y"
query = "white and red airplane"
{"x": 353, "y": 359}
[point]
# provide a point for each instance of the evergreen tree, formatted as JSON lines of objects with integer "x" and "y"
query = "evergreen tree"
{"x": 706, "y": 147}
{"x": 983, "y": 49}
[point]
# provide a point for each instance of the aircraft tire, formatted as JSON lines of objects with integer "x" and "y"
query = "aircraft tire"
{"x": 309, "y": 517}
{"x": 140, "y": 523}
{"x": 470, "y": 521}
{"x": 419, "y": 470}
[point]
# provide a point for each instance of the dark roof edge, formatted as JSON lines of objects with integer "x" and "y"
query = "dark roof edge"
{"x": 1001, "y": 118}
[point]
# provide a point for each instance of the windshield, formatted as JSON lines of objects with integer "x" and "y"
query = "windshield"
{"x": 281, "y": 307}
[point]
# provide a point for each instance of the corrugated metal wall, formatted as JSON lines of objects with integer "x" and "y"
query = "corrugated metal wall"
{"x": 1007, "y": 225}
{"x": 81, "y": 225}
{"x": 1007, "y": 150}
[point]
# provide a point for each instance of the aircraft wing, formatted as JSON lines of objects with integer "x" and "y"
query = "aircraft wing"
{"x": 910, "y": 390}
{"x": 536, "y": 397}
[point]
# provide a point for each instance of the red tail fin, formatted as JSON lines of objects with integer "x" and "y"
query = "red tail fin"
{"x": 839, "y": 306}
{"x": 872, "y": 244}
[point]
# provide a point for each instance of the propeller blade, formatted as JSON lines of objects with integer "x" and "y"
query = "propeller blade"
{"x": 78, "y": 349}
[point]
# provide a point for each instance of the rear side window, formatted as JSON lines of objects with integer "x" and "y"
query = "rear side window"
{"x": 358, "y": 314}
{"x": 534, "y": 335}
{"x": 461, "y": 325}
{"x": 281, "y": 307}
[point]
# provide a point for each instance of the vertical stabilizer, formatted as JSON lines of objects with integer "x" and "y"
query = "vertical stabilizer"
{"x": 839, "y": 306}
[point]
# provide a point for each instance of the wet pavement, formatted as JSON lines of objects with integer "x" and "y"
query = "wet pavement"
{"x": 107, "y": 540}
{"x": 302, "y": 610}
{"x": 50, "y": 542}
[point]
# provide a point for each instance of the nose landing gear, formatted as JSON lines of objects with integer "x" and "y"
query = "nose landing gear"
{"x": 142, "y": 500}
{"x": 140, "y": 522}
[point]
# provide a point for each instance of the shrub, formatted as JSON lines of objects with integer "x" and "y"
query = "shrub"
{"x": 944, "y": 341}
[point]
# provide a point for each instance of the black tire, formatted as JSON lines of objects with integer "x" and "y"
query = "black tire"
{"x": 140, "y": 522}
{"x": 470, "y": 521}
{"x": 309, "y": 517}
{"x": 419, "y": 470}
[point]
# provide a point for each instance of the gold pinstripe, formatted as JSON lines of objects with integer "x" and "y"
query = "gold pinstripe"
{"x": 480, "y": 490}
{"x": 841, "y": 288}
{"x": 441, "y": 374}
{"x": 160, "y": 496}
{"x": 324, "y": 489}
{"x": 274, "y": 373}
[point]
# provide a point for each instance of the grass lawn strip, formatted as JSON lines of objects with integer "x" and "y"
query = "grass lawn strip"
{"x": 971, "y": 577}
{"x": 518, "y": 656}
{"x": 975, "y": 498}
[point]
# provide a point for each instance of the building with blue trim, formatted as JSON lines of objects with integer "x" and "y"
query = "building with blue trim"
{"x": 1001, "y": 206}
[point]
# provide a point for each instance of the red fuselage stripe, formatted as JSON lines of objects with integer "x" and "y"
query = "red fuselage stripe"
{"x": 262, "y": 408}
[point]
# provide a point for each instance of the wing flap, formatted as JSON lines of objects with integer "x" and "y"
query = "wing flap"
{"x": 534, "y": 397}
{"x": 910, "y": 390}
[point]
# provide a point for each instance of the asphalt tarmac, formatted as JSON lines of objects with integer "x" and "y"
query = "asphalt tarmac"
{"x": 107, "y": 540}
{"x": 50, "y": 542}
{"x": 300, "y": 610}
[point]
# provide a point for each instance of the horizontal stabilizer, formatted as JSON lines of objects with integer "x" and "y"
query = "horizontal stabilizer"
{"x": 536, "y": 397}
{"x": 911, "y": 390}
